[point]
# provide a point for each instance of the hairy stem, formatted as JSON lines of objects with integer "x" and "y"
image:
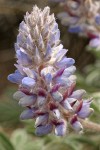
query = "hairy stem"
{"x": 88, "y": 125}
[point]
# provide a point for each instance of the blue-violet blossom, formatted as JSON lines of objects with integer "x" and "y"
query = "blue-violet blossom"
{"x": 83, "y": 17}
{"x": 45, "y": 77}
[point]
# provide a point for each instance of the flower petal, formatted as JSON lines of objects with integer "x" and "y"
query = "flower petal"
{"x": 67, "y": 105}
{"x": 60, "y": 129}
{"x": 57, "y": 96}
{"x": 28, "y": 100}
{"x": 85, "y": 110}
{"x": 63, "y": 81}
{"x": 48, "y": 78}
{"x": 56, "y": 113}
{"x": 59, "y": 55}
{"x": 27, "y": 114}
{"x": 41, "y": 120}
{"x": 23, "y": 58}
{"x": 28, "y": 82}
{"x": 48, "y": 52}
{"x": 41, "y": 100}
{"x": 65, "y": 62}
{"x": 16, "y": 77}
{"x": 76, "y": 125}
{"x": 18, "y": 95}
{"x": 94, "y": 43}
{"x": 69, "y": 71}
{"x": 78, "y": 94}
{"x": 30, "y": 73}
{"x": 43, "y": 130}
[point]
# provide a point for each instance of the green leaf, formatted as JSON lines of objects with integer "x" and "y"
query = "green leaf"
{"x": 23, "y": 141}
{"x": 9, "y": 109}
{"x": 5, "y": 143}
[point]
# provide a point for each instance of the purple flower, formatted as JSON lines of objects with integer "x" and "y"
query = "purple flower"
{"x": 97, "y": 19}
{"x": 82, "y": 17}
{"x": 76, "y": 29}
{"x": 45, "y": 77}
{"x": 94, "y": 43}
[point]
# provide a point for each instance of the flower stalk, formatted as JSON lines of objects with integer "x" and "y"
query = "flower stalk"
{"x": 90, "y": 126}
{"x": 45, "y": 77}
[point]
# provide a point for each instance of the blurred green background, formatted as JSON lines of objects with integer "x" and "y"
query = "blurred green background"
{"x": 19, "y": 135}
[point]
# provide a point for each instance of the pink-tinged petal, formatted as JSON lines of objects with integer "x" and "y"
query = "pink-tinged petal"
{"x": 92, "y": 35}
{"x": 76, "y": 125}
{"x": 85, "y": 110}
{"x": 52, "y": 106}
{"x": 60, "y": 129}
{"x": 25, "y": 90}
{"x": 28, "y": 100}
{"x": 71, "y": 88}
{"x": 41, "y": 92}
{"x": 69, "y": 91}
{"x": 18, "y": 95}
{"x": 77, "y": 106}
{"x": 41, "y": 119}
{"x": 59, "y": 72}
{"x": 57, "y": 96}
{"x": 43, "y": 130}
{"x": 78, "y": 94}
{"x": 55, "y": 88}
{"x": 67, "y": 105}
{"x": 28, "y": 114}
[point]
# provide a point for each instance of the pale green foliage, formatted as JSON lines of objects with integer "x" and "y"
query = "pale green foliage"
{"x": 21, "y": 140}
{"x": 9, "y": 110}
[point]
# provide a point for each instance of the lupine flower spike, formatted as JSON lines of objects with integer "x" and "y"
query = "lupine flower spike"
{"x": 83, "y": 17}
{"x": 45, "y": 77}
